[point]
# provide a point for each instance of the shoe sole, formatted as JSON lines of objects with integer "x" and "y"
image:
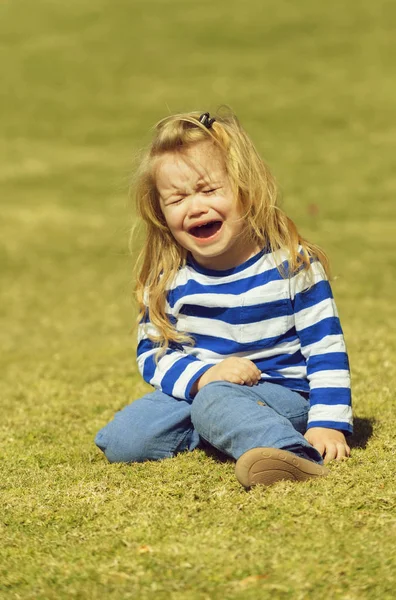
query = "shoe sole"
{"x": 265, "y": 466}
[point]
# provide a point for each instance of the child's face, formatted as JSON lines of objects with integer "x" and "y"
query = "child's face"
{"x": 199, "y": 206}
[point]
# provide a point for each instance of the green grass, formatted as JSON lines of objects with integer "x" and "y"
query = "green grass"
{"x": 82, "y": 82}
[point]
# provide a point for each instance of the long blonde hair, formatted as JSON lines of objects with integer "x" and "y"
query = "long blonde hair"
{"x": 255, "y": 189}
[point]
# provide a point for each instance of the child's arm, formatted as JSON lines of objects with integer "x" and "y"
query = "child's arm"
{"x": 182, "y": 375}
{"x": 173, "y": 372}
{"x": 322, "y": 344}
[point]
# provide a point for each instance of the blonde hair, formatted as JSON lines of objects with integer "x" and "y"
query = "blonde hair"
{"x": 255, "y": 189}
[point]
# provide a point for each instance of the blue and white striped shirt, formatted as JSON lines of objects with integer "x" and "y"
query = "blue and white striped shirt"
{"x": 289, "y": 327}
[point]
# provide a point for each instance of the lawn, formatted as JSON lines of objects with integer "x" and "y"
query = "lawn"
{"x": 82, "y": 83}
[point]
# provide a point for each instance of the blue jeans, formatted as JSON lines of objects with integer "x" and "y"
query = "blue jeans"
{"x": 230, "y": 417}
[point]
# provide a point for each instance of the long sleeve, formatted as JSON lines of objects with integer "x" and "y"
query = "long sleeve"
{"x": 174, "y": 372}
{"x": 322, "y": 345}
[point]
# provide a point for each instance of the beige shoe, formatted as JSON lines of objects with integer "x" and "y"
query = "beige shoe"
{"x": 265, "y": 466}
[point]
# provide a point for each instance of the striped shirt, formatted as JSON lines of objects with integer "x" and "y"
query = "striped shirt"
{"x": 288, "y": 326}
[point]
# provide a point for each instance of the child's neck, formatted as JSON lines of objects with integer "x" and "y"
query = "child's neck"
{"x": 229, "y": 260}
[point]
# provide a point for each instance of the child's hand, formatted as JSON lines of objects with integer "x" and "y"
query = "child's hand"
{"x": 331, "y": 443}
{"x": 234, "y": 369}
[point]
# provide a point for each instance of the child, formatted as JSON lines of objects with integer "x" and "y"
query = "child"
{"x": 239, "y": 333}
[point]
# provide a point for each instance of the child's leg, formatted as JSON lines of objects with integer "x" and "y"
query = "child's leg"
{"x": 154, "y": 427}
{"x": 235, "y": 418}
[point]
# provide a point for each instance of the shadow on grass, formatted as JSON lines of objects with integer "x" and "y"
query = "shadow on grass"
{"x": 217, "y": 455}
{"x": 363, "y": 430}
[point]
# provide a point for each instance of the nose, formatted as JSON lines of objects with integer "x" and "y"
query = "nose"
{"x": 197, "y": 205}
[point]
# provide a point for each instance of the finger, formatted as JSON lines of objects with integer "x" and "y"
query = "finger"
{"x": 319, "y": 446}
{"x": 248, "y": 376}
{"x": 255, "y": 375}
{"x": 254, "y": 370}
{"x": 237, "y": 380}
{"x": 233, "y": 378}
{"x": 252, "y": 377}
{"x": 331, "y": 452}
{"x": 246, "y": 366}
{"x": 237, "y": 371}
{"x": 341, "y": 451}
{"x": 249, "y": 381}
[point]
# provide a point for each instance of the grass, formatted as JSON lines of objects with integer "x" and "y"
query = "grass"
{"x": 82, "y": 83}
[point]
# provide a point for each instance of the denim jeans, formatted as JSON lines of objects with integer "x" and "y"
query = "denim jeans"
{"x": 230, "y": 417}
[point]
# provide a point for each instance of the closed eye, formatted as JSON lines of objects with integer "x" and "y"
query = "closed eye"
{"x": 210, "y": 191}
{"x": 176, "y": 201}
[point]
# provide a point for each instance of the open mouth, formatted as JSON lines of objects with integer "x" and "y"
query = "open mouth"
{"x": 206, "y": 230}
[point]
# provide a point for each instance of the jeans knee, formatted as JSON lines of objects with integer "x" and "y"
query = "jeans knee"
{"x": 120, "y": 449}
{"x": 197, "y": 406}
{"x": 151, "y": 428}
{"x": 121, "y": 445}
{"x": 206, "y": 398}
